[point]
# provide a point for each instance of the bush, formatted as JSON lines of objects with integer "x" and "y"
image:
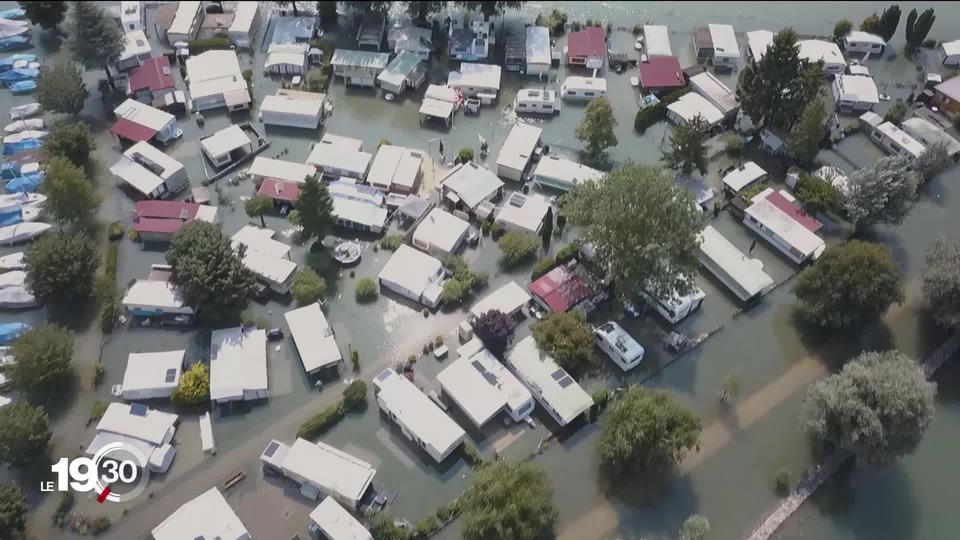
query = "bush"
{"x": 576, "y": 26}
{"x": 472, "y": 456}
{"x": 67, "y": 501}
{"x": 321, "y": 422}
{"x": 733, "y": 145}
{"x": 308, "y": 286}
{"x": 517, "y": 248}
{"x": 496, "y": 231}
{"x": 99, "y": 372}
{"x": 555, "y": 21}
{"x": 929, "y": 44}
{"x": 98, "y": 410}
{"x": 567, "y": 253}
{"x": 391, "y": 242}
{"x": 600, "y": 399}
{"x": 542, "y": 267}
{"x": 465, "y": 155}
{"x": 99, "y": 525}
{"x": 326, "y": 46}
{"x": 480, "y": 280}
{"x": 747, "y": 194}
{"x": 317, "y": 80}
{"x": 651, "y": 115}
{"x": 426, "y": 526}
{"x": 355, "y": 360}
{"x": 354, "y": 394}
{"x": 133, "y": 235}
{"x": 366, "y": 290}
{"x": 637, "y": 29}
{"x": 108, "y": 314}
{"x": 248, "y": 76}
{"x": 783, "y": 482}
{"x": 194, "y": 387}
{"x": 115, "y": 231}
{"x": 453, "y": 292}
{"x": 198, "y": 46}
{"x": 382, "y": 142}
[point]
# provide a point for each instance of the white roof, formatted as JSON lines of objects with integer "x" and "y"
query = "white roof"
{"x": 858, "y": 88}
{"x": 724, "y": 40}
{"x": 759, "y": 41}
{"x": 184, "y": 17}
{"x": 279, "y": 169}
{"x": 929, "y": 133}
{"x": 206, "y": 516}
{"x": 743, "y": 176}
{"x": 342, "y": 141}
{"x": 412, "y": 269}
{"x": 159, "y": 294}
{"x": 441, "y": 93}
{"x": 135, "y": 43}
{"x": 656, "y": 40}
{"x": 951, "y": 47}
{"x": 865, "y": 37}
{"x": 691, "y": 105}
{"x": 329, "y": 468}
{"x": 140, "y": 177}
{"x": 243, "y": 17}
{"x": 538, "y": 45}
{"x": 472, "y": 183}
{"x": 564, "y": 170}
{"x": 144, "y": 424}
{"x": 506, "y": 299}
{"x": 436, "y": 107}
{"x": 486, "y": 76}
{"x": 814, "y": 50}
{"x": 349, "y": 204}
{"x": 746, "y": 272}
{"x": 275, "y": 269}
{"x": 136, "y": 175}
{"x": 394, "y": 165}
{"x": 871, "y": 118}
{"x": 238, "y": 362}
{"x": 481, "y": 385}
{"x": 519, "y": 145}
{"x": 336, "y": 523}
{"x": 858, "y": 70}
{"x": 339, "y": 156}
{"x": 718, "y": 94}
{"x": 225, "y": 141}
{"x": 214, "y": 72}
{"x": 416, "y": 412}
{"x": 285, "y": 59}
{"x": 129, "y": 11}
{"x": 783, "y": 225}
{"x": 261, "y": 240}
{"x": 585, "y": 83}
{"x": 143, "y": 114}
{"x": 524, "y": 211}
{"x": 440, "y": 229}
{"x": 287, "y": 105}
{"x": 900, "y": 138}
{"x": 313, "y": 336}
{"x": 154, "y": 370}
{"x": 545, "y": 378}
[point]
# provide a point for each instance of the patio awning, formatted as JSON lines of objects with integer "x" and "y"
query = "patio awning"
{"x": 236, "y": 97}
{"x": 132, "y": 131}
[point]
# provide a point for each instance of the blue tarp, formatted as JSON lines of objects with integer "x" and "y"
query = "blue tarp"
{"x": 11, "y": 331}
{"x": 27, "y": 183}
{"x": 15, "y": 13}
{"x": 9, "y": 171}
{"x": 14, "y": 42}
{"x": 18, "y": 74}
{"x": 23, "y": 87}
{"x": 8, "y": 61}
{"x": 11, "y": 218}
{"x": 28, "y": 144}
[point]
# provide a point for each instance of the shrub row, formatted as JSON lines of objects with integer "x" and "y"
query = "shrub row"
{"x": 651, "y": 115}
{"x": 354, "y": 396}
{"x": 198, "y": 46}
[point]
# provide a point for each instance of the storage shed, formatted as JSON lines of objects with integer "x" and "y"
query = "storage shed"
{"x": 238, "y": 365}
{"x": 405, "y": 71}
{"x": 359, "y": 68}
{"x": 517, "y": 151}
{"x": 152, "y": 375}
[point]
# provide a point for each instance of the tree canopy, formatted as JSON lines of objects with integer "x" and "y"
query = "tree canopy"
{"x": 60, "y": 88}
{"x": 933, "y": 161}
{"x": 258, "y": 206}
{"x": 851, "y": 284}
{"x": 642, "y": 226}
{"x": 917, "y": 27}
{"x": 806, "y": 134}
{"x": 509, "y": 500}
{"x": 941, "y": 281}
{"x": 878, "y": 406}
{"x": 194, "y": 387}
{"x": 43, "y": 356}
{"x": 24, "y": 434}
{"x": 695, "y": 527}
{"x": 842, "y": 28}
{"x": 308, "y": 286}
{"x": 688, "y": 150}
{"x": 566, "y": 336}
{"x": 419, "y": 10}
{"x": 61, "y": 268}
{"x": 816, "y": 194}
{"x": 71, "y": 197}
{"x": 13, "y": 505}
{"x": 646, "y": 430}
{"x": 495, "y": 330}
{"x": 93, "y": 37}
{"x": 888, "y": 22}
{"x": 882, "y": 193}
{"x": 596, "y": 128}
{"x": 209, "y": 272}
{"x": 774, "y": 90}
{"x": 72, "y": 140}
{"x": 315, "y": 208}
{"x": 45, "y": 14}
{"x": 517, "y": 248}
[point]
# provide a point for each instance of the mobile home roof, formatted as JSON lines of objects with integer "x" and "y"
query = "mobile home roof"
{"x": 416, "y": 412}
{"x": 482, "y": 386}
{"x": 724, "y": 40}
{"x": 329, "y": 468}
{"x": 746, "y": 273}
{"x": 184, "y": 17}
{"x": 759, "y": 41}
{"x": 773, "y": 218}
{"x": 506, "y": 299}
{"x": 206, "y": 516}
{"x": 565, "y": 171}
{"x": 126, "y": 419}
{"x": 743, "y": 176}
{"x": 314, "y": 338}
{"x": 538, "y": 45}
{"x": 238, "y": 362}
{"x": 336, "y": 523}
{"x": 280, "y": 170}
{"x": 554, "y": 386}
{"x": 160, "y": 294}
{"x": 152, "y": 370}
{"x": 656, "y": 40}
{"x": 519, "y": 145}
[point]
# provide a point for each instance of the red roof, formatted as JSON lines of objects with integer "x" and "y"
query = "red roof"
{"x": 560, "y": 289}
{"x": 661, "y": 72}
{"x": 154, "y": 75}
{"x": 130, "y": 130}
{"x": 794, "y": 211}
{"x": 590, "y": 41}
{"x": 165, "y": 210}
{"x": 154, "y": 225}
{"x": 279, "y": 190}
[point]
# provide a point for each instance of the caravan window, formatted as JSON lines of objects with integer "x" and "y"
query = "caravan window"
{"x": 588, "y": 94}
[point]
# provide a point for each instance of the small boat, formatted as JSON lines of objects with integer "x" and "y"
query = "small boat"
{"x": 27, "y": 183}
{"x": 24, "y": 135}
{"x": 17, "y": 278}
{"x": 23, "y": 87}
{"x": 18, "y": 74}
{"x": 22, "y": 232}
{"x": 13, "y": 261}
{"x": 15, "y": 42}
{"x": 23, "y": 125}
{"x": 12, "y": 61}
{"x": 16, "y": 201}
{"x": 24, "y": 111}
{"x": 12, "y": 14}
{"x": 14, "y": 293}
{"x": 11, "y": 331}
{"x": 9, "y": 31}
{"x": 15, "y": 147}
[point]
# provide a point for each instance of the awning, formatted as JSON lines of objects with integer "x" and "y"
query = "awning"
{"x": 132, "y": 131}
{"x": 236, "y": 97}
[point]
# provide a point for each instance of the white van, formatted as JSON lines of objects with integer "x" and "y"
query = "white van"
{"x": 679, "y": 307}
{"x": 619, "y": 346}
{"x": 863, "y": 42}
{"x": 584, "y": 88}
{"x": 534, "y": 101}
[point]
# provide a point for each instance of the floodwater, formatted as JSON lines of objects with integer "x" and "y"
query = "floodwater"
{"x": 729, "y": 480}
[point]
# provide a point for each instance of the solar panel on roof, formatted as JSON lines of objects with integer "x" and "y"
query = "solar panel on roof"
{"x": 271, "y": 448}
{"x": 138, "y": 409}
{"x": 558, "y": 374}
{"x": 171, "y": 375}
{"x": 565, "y": 382}
{"x": 382, "y": 376}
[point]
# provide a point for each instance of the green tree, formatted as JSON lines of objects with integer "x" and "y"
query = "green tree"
{"x": 889, "y": 20}
{"x": 315, "y": 207}
{"x": 596, "y": 128}
{"x": 209, "y": 272}
{"x": 817, "y": 195}
{"x": 871, "y": 24}
{"x": 453, "y": 292}
{"x": 13, "y": 505}
{"x": 194, "y": 387}
{"x": 421, "y": 10}
{"x": 258, "y": 206}
{"x": 804, "y": 141}
{"x": 60, "y": 88}
{"x": 354, "y": 394}
{"x": 546, "y": 232}
{"x": 71, "y": 140}
{"x": 24, "y": 434}
{"x": 851, "y": 284}
{"x": 933, "y": 161}
{"x": 688, "y": 150}
{"x": 695, "y": 527}
{"x": 495, "y": 330}
{"x": 878, "y": 407}
{"x": 71, "y": 198}
{"x": 94, "y": 38}
{"x": 646, "y": 430}
{"x": 465, "y": 155}
{"x": 366, "y": 290}
{"x": 917, "y": 28}
{"x": 774, "y": 90}
{"x": 46, "y": 14}
{"x": 897, "y": 112}
{"x": 61, "y": 268}
{"x": 327, "y": 11}
{"x": 517, "y": 248}
{"x": 509, "y": 500}
{"x": 941, "y": 281}
{"x": 882, "y": 193}
{"x": 490, "y": 8}
{"x": 841, "y": 29}
{"x": 43, "y": 356}
{"x": 308, "y": 286}
{"x": 566, "y": 336}
{"x": 642, "y": 226}
{"x": 291, "y": 3}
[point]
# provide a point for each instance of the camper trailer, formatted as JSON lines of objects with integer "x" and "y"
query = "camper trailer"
{"x": 583, "y": 88}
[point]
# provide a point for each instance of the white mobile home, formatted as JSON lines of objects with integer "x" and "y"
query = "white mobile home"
{"x": 330, "y": 520}
{"x": 777, "y": 219}
{"x": 260, "y": 240}
{"x": 282, "y": 110}
{"x": 758, "y": 41}
{"x": 358, "y": 207}
{"x": 215, "y": 80}
{"x": 152, "y": 298}
{"x": 277, "y": 169}
{"x": 238, "y": 365}
{"x": 407, "y": 70}
{"x": 562, "y": 174}
{"x": 896, "y": 141}
{"x": 226, "y": 146}
{"x": 313, "y": 337}
{"x": 336, "y": 156}
{"x": 137, "y": 122}
{"x": 928, "y": 133}
{"x": 359, "y": 68}
{"x": 320, "y": 469}
{"x": 276, "y": 272}
{"x": 468, "y": 186}
{"x": 726, "y": 50}
{"x": 583, "y": 88}
{"x": 149, "y": 430}
{"x": 517, "y": 151}
{"x": 949, "y": 53}
{"x": 440, "y": 233}
{"x": 718, "y": 94}
{"x": 206, "y": 516}
{"x": 287, "y": 58}
{"x": 523, "y": 213}
{"x": 395, "y": 169}
{"x": 136, "y": 50}
{"x": 692, "y": 105}
{"x": 508, "y": 299}
{"x": 419, "y": 418}
{"x": 481, "y": 80}
{"x": 483, "y": 387}
{"x": 743, "y": 276}
{"x": 817, "y": 50}
{"x": 186, "y": 22}
{"x": 538, "y": 51}
{"x": 535, "y": 101}
{"x": 743, "y": 177}
{"x": 414, "y": 275}
{"x": 553, "y": 387}
{"x": 152, "y": 375}
{"x": 656, "y": 41}
{"x": 151, "y": 172}
{"x": 677, "y": 307}
{"x": 863, "y": 42}
{"x": 246, "y": 22}
{"x": 131, "y": 16}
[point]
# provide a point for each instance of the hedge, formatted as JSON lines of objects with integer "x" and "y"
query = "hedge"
{"x": 322, "y": 421}
{"x": 542, "y": 267}
{"x": 198, "y": 46}
{"x": 567, "y": 253}
{"x": 649, "y": 116}
{"x": 325, "y": 46}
